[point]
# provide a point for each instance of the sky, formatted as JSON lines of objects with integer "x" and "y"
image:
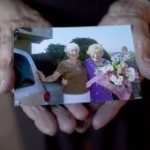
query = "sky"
{"x": 111, "y": 37}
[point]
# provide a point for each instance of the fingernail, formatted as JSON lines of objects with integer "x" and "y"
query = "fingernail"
{"x": 2, "y": 83}
{"x": 96, "y": 124}
{"x": 56, "y": 110}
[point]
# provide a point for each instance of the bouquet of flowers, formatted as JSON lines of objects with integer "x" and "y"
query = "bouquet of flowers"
{"x": 118, "y": 73}
{"x": 117, "y": 78}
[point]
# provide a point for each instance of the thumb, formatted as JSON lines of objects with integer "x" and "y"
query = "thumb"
{"x": 7, "y": 76}
{"x": 138, "y": 16}
{"x": 106, "y": 113}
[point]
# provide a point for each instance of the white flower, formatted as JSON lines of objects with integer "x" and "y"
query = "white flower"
{"x": 131, "y": 74}
{"x": 113, "y": 78}
{"x": 97, "y": 71}
{"x": 109, "y": 67}
{"x": 123, "y": 64}
{"x": 117, "y": 82}
{"x": 103, "y": 69}
{"x": 120, "y": 78}
{"x": 131, "y": 78}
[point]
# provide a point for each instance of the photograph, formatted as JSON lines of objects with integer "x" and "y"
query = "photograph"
{"x": 66, "y": 65}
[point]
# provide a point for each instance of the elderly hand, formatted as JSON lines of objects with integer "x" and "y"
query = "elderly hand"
{"x": 138, "y": 16}
{"x": 19, "y": 15}
{"x": 101, "y": 113}
{"x": 47, "y": 120}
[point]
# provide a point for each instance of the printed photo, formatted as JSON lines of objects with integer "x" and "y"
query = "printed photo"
{"x": 75, "y": 65}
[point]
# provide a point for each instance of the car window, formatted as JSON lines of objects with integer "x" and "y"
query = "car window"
{"x": 23, "y": 71}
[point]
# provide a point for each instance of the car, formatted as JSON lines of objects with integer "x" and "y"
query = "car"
{"x": 29, "y": 89}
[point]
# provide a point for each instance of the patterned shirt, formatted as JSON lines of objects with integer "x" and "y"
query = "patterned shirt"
{"x": 75, "y": 77}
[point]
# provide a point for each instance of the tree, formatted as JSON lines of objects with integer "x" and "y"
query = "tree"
{"x": 84, "y": 41}
{"x": 56, "y": 51}
{"x": 45, "y": 63}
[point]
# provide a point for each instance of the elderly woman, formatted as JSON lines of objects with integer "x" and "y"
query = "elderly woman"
{"x": 94, "y": 65}
{"x": 74, "y": 76}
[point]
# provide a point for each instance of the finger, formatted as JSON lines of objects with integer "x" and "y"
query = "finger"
{"x": 27, "y": 22}
{"x": 42, "y": 118}
{"x": 40, "y": 22}
{"x": 6, "y": 60}
{"x": 142, "y": 46}
{"x": 33, "y": 22}
{"x": 82, "y": 126}
{"x": 141, "y": 39}
{"x": 33, "y": 15}
{"x": 141, "y": 35}
{"x": 79, "y": 111}
{"x": 66, "y": 121}
{"x": 106, "y": 113}
{"x": 7, "y": 76}
{"x": 123, "y": 8}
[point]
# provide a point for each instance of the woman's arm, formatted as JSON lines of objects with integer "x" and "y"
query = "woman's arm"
{"x": 52, "y": 77}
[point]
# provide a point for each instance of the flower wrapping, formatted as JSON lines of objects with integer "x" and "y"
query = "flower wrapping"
{"x": 123, "y": 92}
{"x": 117, "y": 78}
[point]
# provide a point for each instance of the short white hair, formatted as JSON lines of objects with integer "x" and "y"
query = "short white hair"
{"x": 70, "y": 47}
{"x": 95, "y": 47}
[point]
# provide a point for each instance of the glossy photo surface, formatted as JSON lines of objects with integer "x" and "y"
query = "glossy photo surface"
{"x": 75, "y": 65}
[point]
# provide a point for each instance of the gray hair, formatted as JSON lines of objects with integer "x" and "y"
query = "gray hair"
{"x": 70, "y": 47}
{"x": 95, "y": 47}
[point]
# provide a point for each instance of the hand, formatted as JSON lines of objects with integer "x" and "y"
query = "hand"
{"x": 88, "y": 85}
{"x": 101, "y": 113}
{"x": 19, "y": 15}
{"x": 41, "y": 75}
{"x": 47, "y": 120}
{"x": 138, "y": 15}
{"x": 64, "y": 82}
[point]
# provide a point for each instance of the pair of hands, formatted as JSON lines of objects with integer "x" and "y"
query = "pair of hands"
{"x": 72, "y": 117}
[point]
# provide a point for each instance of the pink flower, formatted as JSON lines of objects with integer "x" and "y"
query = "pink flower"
{"x": 109, "y": 73}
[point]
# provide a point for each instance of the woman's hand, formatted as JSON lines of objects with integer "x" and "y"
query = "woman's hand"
{"x": 41, "y": 75}
{"x": 63, "y": 117}
{"x": 139, "y": 17}
{"x": 47, "y": 120}
{"x": 13, "y": 14}
{"x": 88, "y": 84}
{"x": 100, "y": 113}
{"x": 136, "y": 13}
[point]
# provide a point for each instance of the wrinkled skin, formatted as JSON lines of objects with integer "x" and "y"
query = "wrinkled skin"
{"x": 139, "y": 17}
{"x": 73, "y": 117}
{"x": 16, "y": 17}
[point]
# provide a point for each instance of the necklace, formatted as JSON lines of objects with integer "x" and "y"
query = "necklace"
{"x": 99, "y": 64}
{"x": 76, "y": 67}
